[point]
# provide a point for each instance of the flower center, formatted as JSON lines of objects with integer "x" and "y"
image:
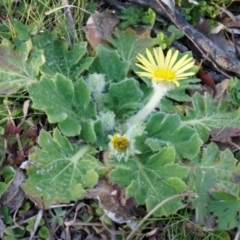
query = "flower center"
{"x": 120, "y": 143}
{"x": 164, "y": 73}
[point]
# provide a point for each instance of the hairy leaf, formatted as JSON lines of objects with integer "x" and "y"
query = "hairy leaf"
{"x": 18, "y": 66}
{"x": 129, "y": 44}
{"x": 213, "y": 170}
{"x": 59, "y": 59}
{"x": 66, "y": 103}
{"x": 179, "y": 93}
{"x": 222, "y": 166}
{"x": 167, "y": 130}
{"x": 123, "y": 97}
{"x": 108, "y": 62}
{"x": 205, "y": 116}
{"x": 204, "y": 181}
{"x": 60, "y": 170}
{"x": 152, "y": 180}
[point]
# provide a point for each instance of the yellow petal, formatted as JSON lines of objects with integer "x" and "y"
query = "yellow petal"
{"x": 144, "y": 74}
{"x": 145, "y": 62}
{"x": 173, "y": 60}
{"x": 179, "y": 63}
{"x": 188, "y": 66}
{"x": 185, "y": 74}
{"x": 159, "y": 57}
{"x": 144, "y": 68}
{"x": 168, "y": 58}
{"x": 150, "y": 58}
{"x": 176, "y": 82}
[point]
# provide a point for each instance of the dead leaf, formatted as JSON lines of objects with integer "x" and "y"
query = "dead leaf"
{"x": 13, "y": 195}
{"x": 193, "y": 229}
{"x": 112, "y": 201}
{"x": 228, "y": 22}
{"x": 221, "y": 91}
{"x": 224, "y": 135}
{"x": 100, "y": 26}
{"x": 206, "y": 79}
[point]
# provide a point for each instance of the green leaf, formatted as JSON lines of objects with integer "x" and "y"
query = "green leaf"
{"x": 129, "y": 44}
{"x": 18, "y": 66}
{"x": 204, "y": 181}
{"x": 213, "y": 170}
{"x": 44, "y": 232}
{"x": 20, "y": 29}
{"x": 131, "y": 16}
{"x": 59, "y": 59}
{"x": 177, "y": 33}
{"x": 222, "y": 166}
{"x": 152, "y": 180}
{"x": 150, "y": 17}
{"x": 204, "y": 116}
{"x": 60, "y": 170}
{"x": 66, "y": 103}
{"x": 179, "y": 93}
{"x": 226, "y": 208}
{"x": 108, "y": 62}
{"x": 123, "y": 97}
{"x": 167, "y": 130}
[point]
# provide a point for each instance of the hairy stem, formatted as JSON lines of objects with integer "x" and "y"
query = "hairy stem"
{"x": 158, "y": 94}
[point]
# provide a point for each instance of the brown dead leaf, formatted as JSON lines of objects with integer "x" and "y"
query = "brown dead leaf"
{"x": 221, "y": 90}
{"x": 206, "y": 79}
{"x": 112, "y": 200}
{"x": 100, "y": 26}
{"x": 228, "y": 22}
{"x": 13, "y": 195}
{"x": 193, "y": 229}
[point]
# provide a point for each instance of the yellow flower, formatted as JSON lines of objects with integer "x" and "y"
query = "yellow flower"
{"x": 123, "y": 146}
{"x": 163, "y": 69}
{"x": 120, "y": 143}
{"x": 120, "y": 147}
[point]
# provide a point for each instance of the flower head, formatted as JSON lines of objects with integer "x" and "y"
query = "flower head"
{"x": 169, "y": 69}
{"x": 120, "y": 146}
{"x": 123, "y": 146}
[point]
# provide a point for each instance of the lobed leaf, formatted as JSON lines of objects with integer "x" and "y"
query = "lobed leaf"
{"x": 123, "y": 97}
{"x": 205, "y": 116}
{"x": 222, "y": 166}
{"x": 60, "y": 170}
{"x": 66, "y": 103}
{"x": 213, "y": 170}
{"x": 129, "y": 44}
{"x": 152, "y": 180}
{"x": 59, "y": 59}
{"x": 18, "y": 66}
{"x": 168, "y": 130}
{"x": 204, "y": 181}
{"x": 179, "y": 93}
{"x": 108, "y": 62}
{"x": 226, "y": 208}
